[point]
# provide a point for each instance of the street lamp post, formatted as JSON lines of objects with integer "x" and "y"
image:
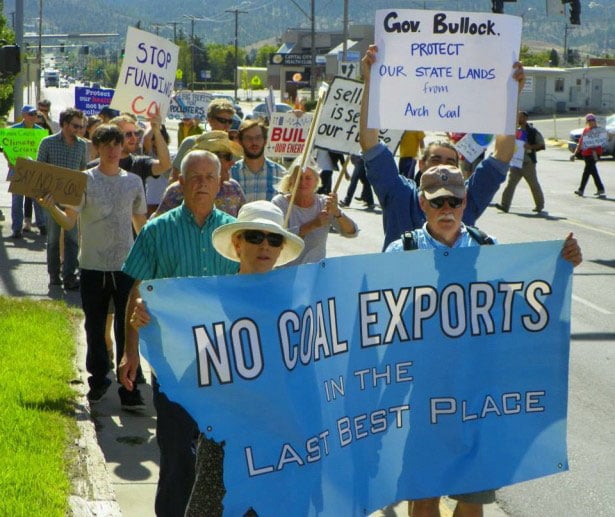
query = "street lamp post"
{"x": 235, "y": 73}
{"x": 40, "y": 50}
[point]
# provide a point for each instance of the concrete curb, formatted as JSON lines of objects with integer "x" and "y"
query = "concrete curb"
{"x": 93, "y": 493}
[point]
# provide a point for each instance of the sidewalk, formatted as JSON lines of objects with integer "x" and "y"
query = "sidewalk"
{"x": 118, "y": 465}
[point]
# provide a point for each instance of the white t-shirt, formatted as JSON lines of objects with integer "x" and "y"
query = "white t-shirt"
{"x": 106, "y": 211}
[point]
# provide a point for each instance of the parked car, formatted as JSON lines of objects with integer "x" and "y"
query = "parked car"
{"x": 260, "y": 110}
{"x": 609, "y": 149}
{"x": 238, "y": 110}
{"x": 63, "y": 83}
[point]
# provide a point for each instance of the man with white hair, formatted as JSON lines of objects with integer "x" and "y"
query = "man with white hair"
{"x": 176, "y": 244}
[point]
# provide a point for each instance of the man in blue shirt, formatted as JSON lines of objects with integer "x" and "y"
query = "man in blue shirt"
{"x": 398, "y": 195}
{"x": 442, "y": 198}
{"x": 176, "y": 244}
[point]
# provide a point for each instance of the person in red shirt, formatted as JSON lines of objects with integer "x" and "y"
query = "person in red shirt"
{"x": 591, "y": 154}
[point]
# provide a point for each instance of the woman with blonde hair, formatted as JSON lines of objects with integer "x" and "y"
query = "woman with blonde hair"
{"x": 312, "y": 215}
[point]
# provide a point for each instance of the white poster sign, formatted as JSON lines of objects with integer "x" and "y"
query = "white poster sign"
{"x": 597, "y": 137}
{"x": 518, "y": 157}
{"x": 189, "y": 103}
{"x": 147, "y": 77}
{"x": 445, "y": 71}
{"x": 287, "y": 134}
{"x": 471, "y": 146}
{"x": 338, "y": 127}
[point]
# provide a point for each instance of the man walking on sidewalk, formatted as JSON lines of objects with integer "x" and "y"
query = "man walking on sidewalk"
{"x": 64, "y": 149}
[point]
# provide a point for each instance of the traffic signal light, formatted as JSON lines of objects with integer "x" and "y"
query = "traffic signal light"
{"x": 10, "y": 60}
{"x": 497, "y": 6}
{"x": 575, "y": 12}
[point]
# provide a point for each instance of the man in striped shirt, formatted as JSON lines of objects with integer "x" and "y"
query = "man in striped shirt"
{"x": 257, "y": 175}
{"x": 176, "y": 244}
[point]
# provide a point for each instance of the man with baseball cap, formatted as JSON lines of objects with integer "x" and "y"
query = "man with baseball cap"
{"x": 442, "y": 198}
{"x": 28, "y": 114}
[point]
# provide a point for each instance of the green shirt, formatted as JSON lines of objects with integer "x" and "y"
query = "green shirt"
{"x": 173, "y": 245}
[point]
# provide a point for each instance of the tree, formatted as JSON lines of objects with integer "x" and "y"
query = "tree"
{"x": 6, "y": 81}
{"x": 262, "y": 55}
{"x": 554, "y": 57}
{"x": 529, "y": 58}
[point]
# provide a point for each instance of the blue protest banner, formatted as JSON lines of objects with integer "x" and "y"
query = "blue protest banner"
{"x": 344, "y": 386}
{"x": 92, "y": 100}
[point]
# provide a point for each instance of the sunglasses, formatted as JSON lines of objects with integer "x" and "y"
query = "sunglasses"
{"x": 223, "y": 120}
{"x": 130, "y": 134}
{"x": 225, "y": 156}
{"x": 275, "y": 240}
{"x": 438, "y": 202}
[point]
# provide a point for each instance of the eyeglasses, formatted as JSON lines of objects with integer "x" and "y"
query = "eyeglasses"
{"x": 130, "y": 134}
{"x": 275, "y": 240}
{"x": 225, "y": 156}
{"x": 438, "y": 202}
{"x": 223, "y": 120}
{"x": 76, "y": 126}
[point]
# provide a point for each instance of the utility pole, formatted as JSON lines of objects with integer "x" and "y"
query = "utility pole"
{"x": 192, "y": 45}
{"x": 235, "y": 74}
{"x": 37, "y": 93}
{"x": 19, "y": 79}
{"x": 345, "y": 43}
{"x": 313, "y": 51}
{"x": 175, "y": 24}
{"x": 566, "y": 29}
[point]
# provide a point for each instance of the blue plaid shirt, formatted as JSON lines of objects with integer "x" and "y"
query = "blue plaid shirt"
{"x": 260, "y": 184}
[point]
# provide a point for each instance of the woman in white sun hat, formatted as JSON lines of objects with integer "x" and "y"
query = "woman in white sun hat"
{"x": 257, "y": 240}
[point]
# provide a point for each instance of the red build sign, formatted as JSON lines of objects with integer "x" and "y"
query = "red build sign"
{"x": 287, "y": 134}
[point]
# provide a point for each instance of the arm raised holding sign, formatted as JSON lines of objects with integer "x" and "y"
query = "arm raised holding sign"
{"x": 398, "y": 195}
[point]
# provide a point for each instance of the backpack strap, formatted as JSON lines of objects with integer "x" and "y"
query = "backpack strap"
{"x": 409, "y": 240}
{"x": 479, "y": 236}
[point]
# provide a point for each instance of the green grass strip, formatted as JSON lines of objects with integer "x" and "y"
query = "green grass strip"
{"x": 37, "y": 422}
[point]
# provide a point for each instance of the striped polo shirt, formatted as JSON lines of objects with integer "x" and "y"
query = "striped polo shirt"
{"x": 173, "y": 245}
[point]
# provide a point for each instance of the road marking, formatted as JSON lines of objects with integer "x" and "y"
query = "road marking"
{"x": 606, "y": 232}
{"x": 590, "y": 304}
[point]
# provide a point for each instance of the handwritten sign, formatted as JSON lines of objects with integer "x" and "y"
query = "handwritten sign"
{"x": 337, "y": 390}
{"x": 36, "y": 179}
{"x": 287, "y": 134}
{"x": 21, "y": 142}
{"x": 338, "y": 128}
{"x": 597, "y": 137}
{"x": 445, "y": 71}
{"x": 92, "y": 100}
{"x": 187, "y": 103}
{"x": 147, "y": 77}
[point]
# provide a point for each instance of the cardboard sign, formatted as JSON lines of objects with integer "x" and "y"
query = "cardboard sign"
{"x": 21, "y": 142}
{"x": 519, "y": 156}
{"x": 338, "y": 127}
{"x": 287, "y": 134}
{"x": 445, "y": 71}
{"x": 146, "y": 81}
{"x": 187, "y": 103}
{"x": 92, "y": 100}
{"x": 36, "y": 179}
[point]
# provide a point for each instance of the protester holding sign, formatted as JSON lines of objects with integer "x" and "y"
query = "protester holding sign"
{"x": 259, "y": 242}
{"x": 29, "y": 115}
{"x": 443, "y": 199}
{"x": 398, "y": 195}
{"x": 312, "y": 215}
{"x": 176, "y": 244}
{"x": 113, "y": 203}
{"x": 590, "y": 151}
{"x": 64, "y": 149}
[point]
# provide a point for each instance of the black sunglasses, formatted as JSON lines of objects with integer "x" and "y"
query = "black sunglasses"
{"x": 438, "y": 202}
{"x": 275, "y": 240}
{"x": 223, "y": 120}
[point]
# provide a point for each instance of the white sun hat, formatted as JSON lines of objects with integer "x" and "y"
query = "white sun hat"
{"x": 258, "y": 215}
